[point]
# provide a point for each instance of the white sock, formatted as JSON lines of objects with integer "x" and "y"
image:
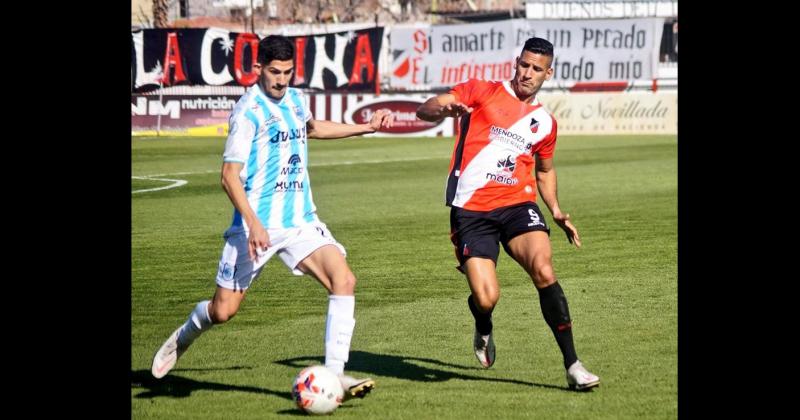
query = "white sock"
{"x": 199, "y": 322}
{"x": 339, "y": 331}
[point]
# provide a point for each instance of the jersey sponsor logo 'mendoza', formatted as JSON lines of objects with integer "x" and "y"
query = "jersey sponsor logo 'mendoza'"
{"x": 501, "y": 135}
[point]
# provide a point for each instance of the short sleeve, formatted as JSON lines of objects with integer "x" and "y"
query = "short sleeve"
{"x": 469, "y": 92}
{"x": 241, "y": 132}
{"x": 306, "y": 107}
{"x": 548, "y": 145}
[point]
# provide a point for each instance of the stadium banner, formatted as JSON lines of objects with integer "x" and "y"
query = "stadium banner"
{"x": 182, "y": 115}
{"x": 576, "y": 113}
{"x": 214, "y": 56}
{"x": 613, "y": 113}
{"x": 595, "y": 50}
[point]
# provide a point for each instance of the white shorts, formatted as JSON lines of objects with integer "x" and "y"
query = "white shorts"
{"x": 237, "y": 270}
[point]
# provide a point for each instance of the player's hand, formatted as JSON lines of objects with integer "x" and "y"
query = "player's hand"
{"x": 381, "y": 118}
{"x": 257, "y": 241}
{"x": 563, "y": 222}
{"x": 455, "y": 110}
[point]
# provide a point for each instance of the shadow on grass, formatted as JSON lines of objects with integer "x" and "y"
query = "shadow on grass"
{"x": 179, "y": 387}
{"x": 409, "y": 368}
{"x": 381, "y": 365}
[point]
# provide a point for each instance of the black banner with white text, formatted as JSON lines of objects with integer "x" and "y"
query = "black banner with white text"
{"x": 212, "y": 56}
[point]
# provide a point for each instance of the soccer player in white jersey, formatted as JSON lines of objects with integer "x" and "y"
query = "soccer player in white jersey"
{"x": 264, "y": 173}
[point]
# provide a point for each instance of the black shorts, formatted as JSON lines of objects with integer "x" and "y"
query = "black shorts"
{"x": 477, "y": 233}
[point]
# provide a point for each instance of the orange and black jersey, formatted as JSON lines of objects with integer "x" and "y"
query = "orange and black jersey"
{"x": 492, "y": 163}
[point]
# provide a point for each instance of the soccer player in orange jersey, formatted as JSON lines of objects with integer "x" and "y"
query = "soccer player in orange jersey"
{"x": 505, "y": 135}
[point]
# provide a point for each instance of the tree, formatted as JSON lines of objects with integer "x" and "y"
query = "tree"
{"x": 160, "y": 9}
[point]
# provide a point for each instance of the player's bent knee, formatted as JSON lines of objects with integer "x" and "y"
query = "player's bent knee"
{"x": 345, "y": 283}
{"x": 486, "y": 301}
{"x": 222, "y": 314}
{"x": 543, "y": 275}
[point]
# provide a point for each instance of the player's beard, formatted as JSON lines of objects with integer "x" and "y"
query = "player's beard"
{"x": 526, "y": 91}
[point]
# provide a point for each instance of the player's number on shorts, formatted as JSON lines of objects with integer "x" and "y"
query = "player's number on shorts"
{"x": 534, "y": 218}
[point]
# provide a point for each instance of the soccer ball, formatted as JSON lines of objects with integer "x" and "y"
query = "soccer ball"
{"x": 317, "y": 390}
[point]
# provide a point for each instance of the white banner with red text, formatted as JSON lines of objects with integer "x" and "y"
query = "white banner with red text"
{"x": 596, "y": 50}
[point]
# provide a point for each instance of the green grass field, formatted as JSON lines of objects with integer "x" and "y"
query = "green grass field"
{"x": 383, "y": 200}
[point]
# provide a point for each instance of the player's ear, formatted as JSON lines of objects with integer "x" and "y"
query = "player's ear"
{"x": 549, "y": 73}
{"x": 257, "y": 68}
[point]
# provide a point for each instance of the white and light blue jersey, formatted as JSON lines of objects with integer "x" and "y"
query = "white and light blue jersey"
{"x": 268, "y": 137}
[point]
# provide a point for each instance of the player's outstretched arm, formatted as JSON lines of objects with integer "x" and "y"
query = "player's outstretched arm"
{"x": 320, "y": 129}
{"x": 440, "y": 107}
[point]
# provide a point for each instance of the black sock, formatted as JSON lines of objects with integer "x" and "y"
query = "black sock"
{"x": 483, "y": 322}
{"x": 556, "y": 314}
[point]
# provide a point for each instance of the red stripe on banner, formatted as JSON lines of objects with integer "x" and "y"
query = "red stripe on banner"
{"x": 599, "y": 87}
{"x": 328, "y": 107}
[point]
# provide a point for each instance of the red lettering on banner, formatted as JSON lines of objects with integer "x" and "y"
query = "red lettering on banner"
{"x": 172, "y": 57}
{"x": 299, "y": 67}
{"x": 245, "y": 79}
{"x": 420, "y": 41}
{"x": 363, "y": 57}
{"x": 415, "y": 70}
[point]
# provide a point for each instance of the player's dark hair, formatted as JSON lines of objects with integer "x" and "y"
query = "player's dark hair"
{"x": 538, "y": 46}
{"x": 275, "y": 47}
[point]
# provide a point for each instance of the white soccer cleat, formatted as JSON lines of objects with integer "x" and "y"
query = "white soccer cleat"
{"x": 355, "y": 388}
{"x": 167, "y": 355}
{"x": 581, "y": 379}
{"x": 484, "y": 348}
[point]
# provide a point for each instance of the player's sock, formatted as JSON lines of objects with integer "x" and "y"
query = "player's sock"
{"x": 556, "y": 314}
{"x": 199, "y": 322}
{"x": 483, "y": 321}
{"x": 339, "y": 331}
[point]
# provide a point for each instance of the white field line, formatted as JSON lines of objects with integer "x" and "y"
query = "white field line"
{"x": 180, "y": 182}
{"x": 175, "y": 183}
